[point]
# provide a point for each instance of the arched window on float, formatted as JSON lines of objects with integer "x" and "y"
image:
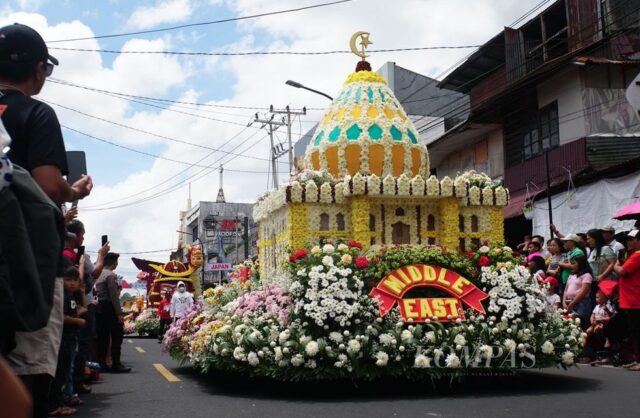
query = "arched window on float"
{"x": 340, "y": 222}
{"x": 324, "y": 222}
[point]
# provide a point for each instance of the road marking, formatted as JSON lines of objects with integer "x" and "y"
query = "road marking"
{"x": 140, "y": 350}
{"x": 165, "y": 373}
{"x": 130, "y": 341}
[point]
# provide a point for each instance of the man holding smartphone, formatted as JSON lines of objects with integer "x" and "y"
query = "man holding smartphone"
{"x": 109, "y": 318}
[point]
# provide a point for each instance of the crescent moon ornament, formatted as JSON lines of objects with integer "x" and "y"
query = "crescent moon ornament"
{"x": 364, "y": 43}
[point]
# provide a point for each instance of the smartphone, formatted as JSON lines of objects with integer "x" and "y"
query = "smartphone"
{"x": 105, "y": 239}
{"x": 80, "y": 251}
{"x": 74, "y": 204}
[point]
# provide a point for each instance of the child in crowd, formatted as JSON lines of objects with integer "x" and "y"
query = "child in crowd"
{"x": 537, "y": 267}
{"x": 164, "y": 312}
{"x": 601, "y": 314}
{"x": 596, "y": 339}
{"x": 72, "y": 301}
{"x": 553, "y": 299}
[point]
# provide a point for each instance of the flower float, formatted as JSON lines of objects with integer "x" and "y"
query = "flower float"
{"x": 321, "y": 318}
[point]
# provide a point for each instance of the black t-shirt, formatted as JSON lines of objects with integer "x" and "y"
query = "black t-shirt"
{"x": 70, "y": 308}
{"x": 36, "y": 137}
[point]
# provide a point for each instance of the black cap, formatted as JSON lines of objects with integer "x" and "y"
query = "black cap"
{"x": 20, "y": 43}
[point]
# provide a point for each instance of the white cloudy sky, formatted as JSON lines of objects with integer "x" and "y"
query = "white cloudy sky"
{"x": 137, "y": 197}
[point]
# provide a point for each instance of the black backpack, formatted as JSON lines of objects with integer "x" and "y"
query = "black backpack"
{"x": 31, "y": 231}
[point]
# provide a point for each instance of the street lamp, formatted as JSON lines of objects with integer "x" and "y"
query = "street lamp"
{"x": 301, "y": 86}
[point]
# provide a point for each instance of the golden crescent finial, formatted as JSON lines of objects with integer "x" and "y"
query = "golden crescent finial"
{"x": 364, "y": 43}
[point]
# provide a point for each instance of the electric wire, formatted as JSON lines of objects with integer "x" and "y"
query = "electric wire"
{"x": 213, "y": 22}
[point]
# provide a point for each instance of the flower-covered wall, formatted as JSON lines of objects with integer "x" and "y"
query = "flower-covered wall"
{"x": 455, "y": 214}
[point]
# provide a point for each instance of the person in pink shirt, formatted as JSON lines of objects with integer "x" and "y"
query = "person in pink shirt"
{"x": 576, "y": 294}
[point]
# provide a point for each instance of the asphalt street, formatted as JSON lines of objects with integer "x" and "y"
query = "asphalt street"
{"x": 161, "y": 387}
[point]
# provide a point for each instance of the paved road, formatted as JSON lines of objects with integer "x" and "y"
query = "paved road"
{"x": 597, "y": 392}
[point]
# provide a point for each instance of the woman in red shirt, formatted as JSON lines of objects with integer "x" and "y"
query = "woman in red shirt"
{"x": 629, "y": 290}
{"x": 164, "y": 312}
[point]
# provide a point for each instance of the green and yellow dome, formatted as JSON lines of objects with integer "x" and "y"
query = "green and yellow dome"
{"x": 366, "y": 130}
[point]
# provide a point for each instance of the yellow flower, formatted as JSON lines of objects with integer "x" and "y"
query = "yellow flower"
{"x": 346, "y": 259}
{"x": 343, "y": 247}
{"x": 316, "y": 250}
{"x": 498, "y": 251}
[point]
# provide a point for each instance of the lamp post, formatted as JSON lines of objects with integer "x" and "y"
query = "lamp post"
{"x": 301, "y": 86}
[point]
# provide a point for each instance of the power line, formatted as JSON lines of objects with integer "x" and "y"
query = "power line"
{"x": 144, "y": 132}
{"x": 156, "y": 99}
{"x": 253, "y": 53}
{"x": 163, "y": 182}
{"x": 190, "y": 25}
{"x": 164, "y": 192}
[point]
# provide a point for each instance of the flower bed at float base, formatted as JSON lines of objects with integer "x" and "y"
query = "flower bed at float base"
{"x": 319, "y": 322}
{"x": 147, "y": 323}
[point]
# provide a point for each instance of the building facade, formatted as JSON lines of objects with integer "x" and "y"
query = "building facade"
{"x": 554, "y": 87}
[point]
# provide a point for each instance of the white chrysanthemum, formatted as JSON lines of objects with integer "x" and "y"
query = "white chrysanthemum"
{"x": 509, "y": 344}
{"x": 421, "y": 362}
{"x": 335, "y": 337}
{"x": 547, "y": 347}
{"x": 406, "y": 336}
{"x": 353, "y": 346}
{"x": 486, "y": 351}
{"x": 459, "y": 340}
{"x": 311, "y": 348}
{"x": 386, "y": 340}
{"x": 567, "y": 358}
{"x": 327, "y": 260}
{"x": 252, "y": 359}
{"x": 484, "y": 249}
{"x": 507, "y": 249}
{"x": 430, "y": 336}
{"x": 277, "y": 353}
{"x": 328, "y": 249}
{"x": 238, "y": 354}
{"x": 382, "y": 358}
{"x": 297, "y": 360}
{"x": 452, "y": 361}
{"x": 284, "y": 336}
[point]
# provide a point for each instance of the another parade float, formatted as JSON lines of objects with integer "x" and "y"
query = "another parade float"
{"x": 369, "y": 268}
{"x": 159, "y": 278}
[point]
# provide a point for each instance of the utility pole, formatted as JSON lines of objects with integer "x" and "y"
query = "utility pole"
{"x": 289, "y": 112}
{"x": 271, "y": 126}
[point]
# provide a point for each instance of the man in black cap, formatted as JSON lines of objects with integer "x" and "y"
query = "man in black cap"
{"x": 37, "y": 143}
{"x": 38, "y": 147}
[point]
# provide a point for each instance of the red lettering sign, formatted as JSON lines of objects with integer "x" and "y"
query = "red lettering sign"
{"x": 396, "y": 284}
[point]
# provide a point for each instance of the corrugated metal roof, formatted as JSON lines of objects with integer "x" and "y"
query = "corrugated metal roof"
{"x": 607, "y": 151}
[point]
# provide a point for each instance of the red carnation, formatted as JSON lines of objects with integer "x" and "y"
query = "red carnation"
{"x": 469, "y": 254}
{"x": 302, "y": 253}
{"x": 484, "y": 261}
{"x": 355, "y": 244}
{"x": 362, "y": 262}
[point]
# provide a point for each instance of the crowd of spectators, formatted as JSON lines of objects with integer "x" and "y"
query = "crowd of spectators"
{"x": 596, "y": 278}
{"x": 61, "y": 317}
